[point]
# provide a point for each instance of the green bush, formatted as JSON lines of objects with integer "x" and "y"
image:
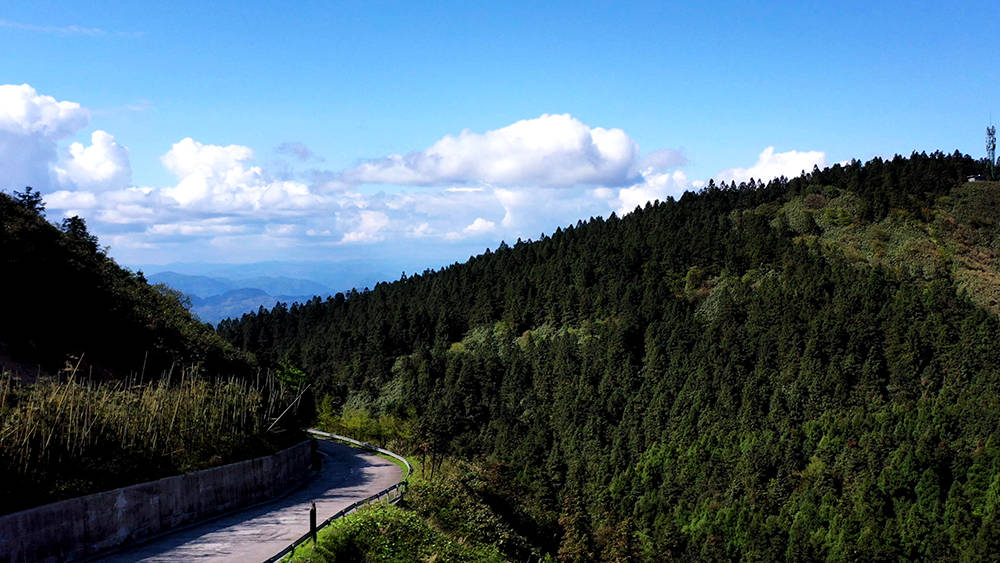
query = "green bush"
{"x": 386, "y": 533}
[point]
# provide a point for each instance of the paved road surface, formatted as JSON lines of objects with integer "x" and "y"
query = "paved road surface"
{"x": 348, "y": 475}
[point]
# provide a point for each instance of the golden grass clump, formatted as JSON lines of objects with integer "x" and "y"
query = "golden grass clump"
{"x": 63, "y": 437}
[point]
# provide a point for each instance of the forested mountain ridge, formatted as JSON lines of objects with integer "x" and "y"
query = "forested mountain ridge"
{"x": 800, "y": 370}
{"x": 66, "y": 300}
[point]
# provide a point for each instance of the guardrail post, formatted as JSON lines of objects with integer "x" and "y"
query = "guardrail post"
{"x": 312, "y": 523}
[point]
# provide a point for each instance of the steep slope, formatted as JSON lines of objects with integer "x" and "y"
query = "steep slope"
{"x": 132, "y": 387}
{"x": 800, "y": 370}
{"x": 66, "y": 300}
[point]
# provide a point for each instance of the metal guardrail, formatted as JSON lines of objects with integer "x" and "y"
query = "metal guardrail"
{"x": 390, "y": 495}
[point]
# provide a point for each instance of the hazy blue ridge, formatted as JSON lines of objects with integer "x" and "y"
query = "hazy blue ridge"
{"x": 214, "y": 299}
{"x": 237, "y": 302}
{"x": 205, "y": 286}
{"x": 330, "y": 276}
{"x": 192, "y": 286}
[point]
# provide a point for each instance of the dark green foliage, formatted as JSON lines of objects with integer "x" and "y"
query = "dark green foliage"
{"x": 64, "y": 297}
{"x": 482, "y": 505}
{"x": 708, "y": 378}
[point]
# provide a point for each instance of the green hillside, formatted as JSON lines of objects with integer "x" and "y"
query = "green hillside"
{"x": 65, "y": 301}
{"x": 106, "y": 380}
{"x": 807, "y": 369}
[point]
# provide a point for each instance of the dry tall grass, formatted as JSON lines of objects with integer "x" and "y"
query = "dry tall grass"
{"x": 60, "y": 438}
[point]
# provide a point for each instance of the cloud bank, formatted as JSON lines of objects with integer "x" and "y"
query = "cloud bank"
{"x": 512, "y": 182}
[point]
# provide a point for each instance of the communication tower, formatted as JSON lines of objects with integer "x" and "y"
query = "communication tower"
{"x": 991, "y": 150}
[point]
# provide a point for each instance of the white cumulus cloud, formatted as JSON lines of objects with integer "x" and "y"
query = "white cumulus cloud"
{"x": 480, "y": 226}
{"x": 772, "y": 165}
{"x": 221, "y": 179}
{"x": 551, "y": 150}
{"x": 104, "y": 165}
{"x": 367, "y": 229}
{"x": 31, "y": 126}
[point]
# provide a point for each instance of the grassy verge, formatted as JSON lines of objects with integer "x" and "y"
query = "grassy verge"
{"x": 458, "y": 515}
{"x": 387, "y": 533}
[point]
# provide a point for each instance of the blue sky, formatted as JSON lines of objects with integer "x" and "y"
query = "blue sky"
{"x": 242, "y": 132}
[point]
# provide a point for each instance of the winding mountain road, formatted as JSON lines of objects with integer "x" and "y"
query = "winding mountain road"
{"x": 348, "y": 475}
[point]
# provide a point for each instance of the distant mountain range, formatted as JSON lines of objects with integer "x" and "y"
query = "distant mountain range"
{"x": 218, "y": 291}
{"x": 206, "y": 286}
{"x": 216, "y": 298}
{"x": 337, "y": 275}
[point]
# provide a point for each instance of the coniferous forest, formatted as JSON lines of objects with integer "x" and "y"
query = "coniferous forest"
{"x": 799, "y": 370}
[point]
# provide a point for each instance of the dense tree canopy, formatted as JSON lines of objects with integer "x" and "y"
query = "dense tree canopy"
{"x": 784, "y": 371}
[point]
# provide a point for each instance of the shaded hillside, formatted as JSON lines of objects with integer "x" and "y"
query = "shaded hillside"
{"x": 104, "y": 421}
{"x": 64, "y": 299}
{"x": 800, "y": 370}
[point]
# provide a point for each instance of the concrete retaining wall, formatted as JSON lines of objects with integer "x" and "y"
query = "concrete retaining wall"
{"x": 75, "y": 528}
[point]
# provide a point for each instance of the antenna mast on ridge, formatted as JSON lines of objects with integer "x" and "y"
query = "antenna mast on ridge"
{"x": 991, "y": 150}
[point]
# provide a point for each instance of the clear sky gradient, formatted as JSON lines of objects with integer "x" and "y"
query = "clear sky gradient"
{"x": 293, "y": 111}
